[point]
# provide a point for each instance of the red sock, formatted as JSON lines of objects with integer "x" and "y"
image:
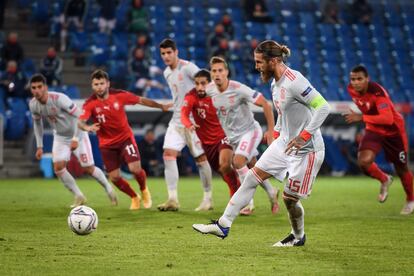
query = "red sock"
{"x": 376, "y": 173}
{"x": 124, "y": 186}
{"x": 141, "y": 178}
{"x": 232, "y": 181}
{"x": 407, "y": 182}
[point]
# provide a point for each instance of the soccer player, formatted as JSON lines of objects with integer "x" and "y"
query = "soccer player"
{"x": 207, "y": 126}
{"x": 231, "y": 99}
{"x": 297, "y": 152}
{"x": 62, "y": 115}
{"x": 384, "y": 130}
{"x": 116, "y": 139}
{"x": 179, "y": 75}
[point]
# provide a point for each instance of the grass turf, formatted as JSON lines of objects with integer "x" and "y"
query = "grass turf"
{"x": 348, "y": 232}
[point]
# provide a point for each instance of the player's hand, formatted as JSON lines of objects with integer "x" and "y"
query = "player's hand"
{"x": 352, "y": 117}
{"x": 94, "y": 127}
{"x": 295, "y": 145}
{"x": 74, "y": 144}
{"x": 166, "y": 107}
{"x": 268, "y": 137}
{"x": 194, "y": 127}
{"x": 39, "y": 153}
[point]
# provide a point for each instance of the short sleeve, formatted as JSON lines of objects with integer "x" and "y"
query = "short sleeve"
{"x": 249, "y": 94}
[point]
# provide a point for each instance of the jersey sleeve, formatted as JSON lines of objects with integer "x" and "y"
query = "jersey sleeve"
{"x": 68, "y": 105}
{"x": 37, "y": 125}
{"x": 385, "y": 115}
{"x": 191, "y": 69}
{"x": 186, "y": 110}
{"x": 249, "y": 94}
{"x": 128, "y": 98}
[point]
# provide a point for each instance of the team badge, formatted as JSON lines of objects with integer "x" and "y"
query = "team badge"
{"x": 116, "y": 105}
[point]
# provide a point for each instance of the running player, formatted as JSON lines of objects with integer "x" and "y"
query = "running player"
{"x": 297, "y": 152}
{"x": 207, "y": 126}
{"x": 62, "y": 115}
{"x": 179, "y": 75}
{"x": 116, "y": 139}
{"x": 231, "y": 99}
{"x": 384, "y": 130}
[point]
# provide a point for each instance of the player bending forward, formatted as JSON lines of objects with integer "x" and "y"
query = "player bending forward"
{"x": 116, "y": 139}
{"x": 297, "y": 152}
{"x": 62, "y": 115}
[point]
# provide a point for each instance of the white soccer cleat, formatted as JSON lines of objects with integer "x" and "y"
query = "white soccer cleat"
{"x": 383, "y": 195}
{"x": 78, "y": 201}
{"x": 205, "y": 205}
{"x": 291, "y": 241}
{"x": 408, "y": 208}
{"x": 213, "y": 228}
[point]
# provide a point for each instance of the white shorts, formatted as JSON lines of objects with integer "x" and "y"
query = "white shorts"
{"x": 61, "y": 150}
{"x": 248, "y": 143}
{"x": 176, "y": 138}
{"x": 300, "y": 169}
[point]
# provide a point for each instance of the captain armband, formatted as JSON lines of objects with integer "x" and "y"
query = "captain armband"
{"x": 318, "y": 102}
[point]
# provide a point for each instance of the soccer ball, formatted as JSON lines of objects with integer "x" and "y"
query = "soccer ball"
{"x": 82, "y": 220}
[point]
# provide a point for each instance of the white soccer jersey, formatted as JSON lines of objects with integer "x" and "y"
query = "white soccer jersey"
{"x": 180, "y": 80}
{"x": 292, "y": 97}
{"x": 61, "y": 113}
{"x": 233, "y": 108}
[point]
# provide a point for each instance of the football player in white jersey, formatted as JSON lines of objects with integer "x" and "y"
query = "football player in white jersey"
{"x": 179, "y": 75}
{"x": 231, "y": 100}
{"x": 62, "y": 115}
{"x": 297, "y": 152}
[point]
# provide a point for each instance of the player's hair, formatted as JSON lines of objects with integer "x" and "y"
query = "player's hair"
{"x": 37, "y": 78}
{"x": 216, "y": 59}
{"x": 168, "y": 43}
{"x": 203, "y": 73}
{"x": 360, "y": 68}
{"x": 271, "y": 49}
{"x": 99, "y": 74}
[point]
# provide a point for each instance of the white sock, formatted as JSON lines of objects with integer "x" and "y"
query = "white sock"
{"x": 242, "y": 173}
{"x": 296, "y": 215}
{"x": 240, "y": 199}
{"x": 267, "y": 186}
{"x": 69, "y": 182}
{"x": 101, "y": 178}
{"x": 204, "y": 170}
{"x": 171, "y": 177}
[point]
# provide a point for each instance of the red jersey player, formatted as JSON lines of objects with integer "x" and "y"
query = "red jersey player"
{"x": 207, "y": 126}
{"x": 384, "y": 130}
{"x": 116, "y": 139}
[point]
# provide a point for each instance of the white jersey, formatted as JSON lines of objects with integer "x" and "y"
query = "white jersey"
{"x": 233, "y": 108}
{"x": 61, "y": 113}
{"x": 293, "y": 97}
{"x": 181, "y": 81}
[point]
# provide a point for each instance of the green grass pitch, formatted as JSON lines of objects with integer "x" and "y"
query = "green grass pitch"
{"x": 348, "y": 232}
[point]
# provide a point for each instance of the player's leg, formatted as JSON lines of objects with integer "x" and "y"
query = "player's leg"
{"x": 204, "y": 169}
{"x": 302, "y": 173}
{"x": 112, "y": 159}
{"x": 84, "y": 155}
{"x": 226, "y": 170}
{"x": 173, "y": 143}
{"x": 395, "y": 151}
{"x": 61, "y": 154}
{"x": 370, "y": 145}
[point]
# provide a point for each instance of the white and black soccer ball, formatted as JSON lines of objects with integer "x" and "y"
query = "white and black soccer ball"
{"x": 82, "y": 220}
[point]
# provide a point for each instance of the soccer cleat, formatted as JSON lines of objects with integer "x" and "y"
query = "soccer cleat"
{"x": 113, "y": 198}
{"x": 146, "y": 198}
{"x": 291, "y": 241}
{"x": 408, "y": 208}
{"x": 205, "y": 205}
{"x": 135, "y": 203}
{"x": 383, "y": 195}
{"x": 79, "y": 200}
{"x": 213, "y": 228}
{"x": 169, "y": 205}
{"x": 274, "y": 204}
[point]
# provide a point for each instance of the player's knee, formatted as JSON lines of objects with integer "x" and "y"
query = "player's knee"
{"x": 89, "y": 170}
{"x": 289, "y": 200}
{"x": 364, "y": 163}
{"x": 225, "y": 168}
{"x": 57, "y": 167}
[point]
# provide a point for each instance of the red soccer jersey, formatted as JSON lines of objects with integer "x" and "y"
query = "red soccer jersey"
{"x": 204, "y": 113}
{"x": 111, "y": 116}
{"x": 378, "y": 111}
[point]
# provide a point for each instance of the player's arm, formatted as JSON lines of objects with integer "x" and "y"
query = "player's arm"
{"x": 269, "y": 116}
{"x": 185, "y": 113}
{"x": 154, "y": 104}
{"x": 38, "y": 132}
{"x": 384, "y": 116}
{"x": 84, "y": 117}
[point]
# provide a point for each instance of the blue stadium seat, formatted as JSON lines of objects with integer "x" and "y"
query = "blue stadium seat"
{"x": 333, "y": 156}
{"x": 40, "y": 11}
{"x": 72, "y": 91}
{"x": 16, "y": 125}
{"x": 78, "y": 42}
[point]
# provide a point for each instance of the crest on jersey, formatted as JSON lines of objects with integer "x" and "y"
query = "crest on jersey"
{"x": 116, "y": 105}
{"x": 98, "y": 110}
{"x": 282, "y": 93}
